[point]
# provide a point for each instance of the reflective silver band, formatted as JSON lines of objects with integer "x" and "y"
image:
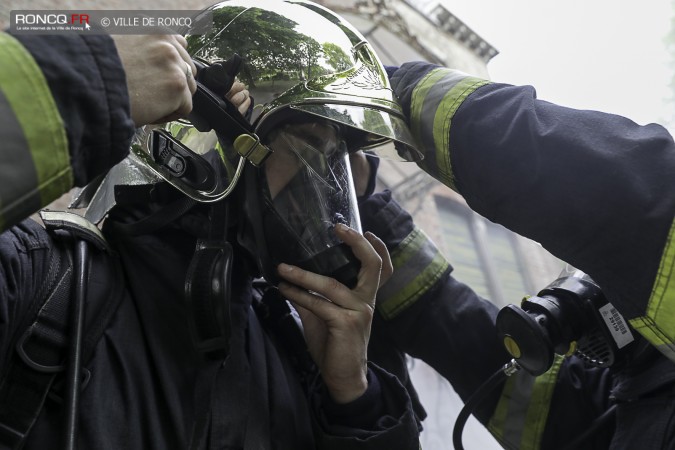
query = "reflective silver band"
{"x": 35, "y": 159}
{"x": 434, "y": 102}
{"x": 418, "y": 264}
{"x": 521, "y": 414}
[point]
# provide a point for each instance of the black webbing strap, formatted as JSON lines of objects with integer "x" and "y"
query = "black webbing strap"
{"x": 35, "y": 364}
{"x": 210, "y": 111}
{"x": 41, "y": 349}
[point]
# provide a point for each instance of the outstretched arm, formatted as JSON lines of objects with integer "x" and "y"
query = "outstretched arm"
{"x": 597, "y": 190}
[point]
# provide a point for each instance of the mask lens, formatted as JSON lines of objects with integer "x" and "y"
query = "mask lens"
{"x": 308, "y": 190}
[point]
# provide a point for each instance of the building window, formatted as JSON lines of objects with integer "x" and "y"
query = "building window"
{"x": 484, "y": 255}
{"x": 459, "y": 245}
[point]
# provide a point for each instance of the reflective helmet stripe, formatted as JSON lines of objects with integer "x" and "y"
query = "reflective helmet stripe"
{"x": 34, "y": 158}
{"x": 520, "y": 417}
{"x": 418, "y": 265}
{"x": 434, "y": 102}
{"x": 658, "y": 324}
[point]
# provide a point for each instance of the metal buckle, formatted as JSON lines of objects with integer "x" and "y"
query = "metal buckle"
{"x": 250, "y": 147}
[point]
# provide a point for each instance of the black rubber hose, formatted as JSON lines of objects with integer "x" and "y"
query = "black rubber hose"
{"x": 495, "y": 380}
{"x": 75, "y": 355}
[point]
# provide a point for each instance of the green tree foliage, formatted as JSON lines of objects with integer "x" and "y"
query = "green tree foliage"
{"x": 276, "y": 50}
{"x": 336, "y": 57}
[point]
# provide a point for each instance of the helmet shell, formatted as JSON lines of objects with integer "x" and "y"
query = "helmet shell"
{"x": 301, "y": 57}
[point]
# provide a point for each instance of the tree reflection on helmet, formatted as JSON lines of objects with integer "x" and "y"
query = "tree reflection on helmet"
{"x": 296, "y": 57}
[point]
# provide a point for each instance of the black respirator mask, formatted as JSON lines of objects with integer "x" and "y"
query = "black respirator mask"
{"x": 294, "y": 201}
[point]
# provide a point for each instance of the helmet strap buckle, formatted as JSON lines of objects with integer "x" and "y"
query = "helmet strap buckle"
{"x": 250, "y": 148}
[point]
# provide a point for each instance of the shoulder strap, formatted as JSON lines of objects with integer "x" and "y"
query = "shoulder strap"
{"x": 41, "y": 349}
{"x": 23, "y": 390}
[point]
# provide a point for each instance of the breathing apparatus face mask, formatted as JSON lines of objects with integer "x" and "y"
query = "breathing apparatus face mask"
{"x": 302, "y": 191}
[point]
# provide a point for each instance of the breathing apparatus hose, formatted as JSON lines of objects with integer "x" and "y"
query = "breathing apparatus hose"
{"x": 486, "y": 388}
{"x": 75, "y": 356}
{"x": 492, "y": 383}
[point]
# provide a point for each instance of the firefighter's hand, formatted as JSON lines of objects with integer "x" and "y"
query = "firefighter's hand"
{"x": 336, "y": 319}
{"x": 239, "y": 97}
{"x": 160, "y": 76}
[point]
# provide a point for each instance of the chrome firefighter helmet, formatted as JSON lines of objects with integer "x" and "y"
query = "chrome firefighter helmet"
{"x": 295, "y": 58}
{"x": 319, "y": 92}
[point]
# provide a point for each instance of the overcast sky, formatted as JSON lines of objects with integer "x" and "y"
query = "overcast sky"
{"x": 606, "y": 55}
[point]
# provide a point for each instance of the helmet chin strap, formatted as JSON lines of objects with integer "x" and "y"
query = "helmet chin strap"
{"x": 211, "y": 111}
{"x": 219, "y": 76}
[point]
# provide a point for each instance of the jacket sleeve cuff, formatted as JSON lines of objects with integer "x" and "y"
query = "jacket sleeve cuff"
{"x": 382, "y": 216}
{"x": 360, "y": 413}
{"x": 404, "y": 80}
{"x": 418, "y": 264}
{"x": 381, "y": 418}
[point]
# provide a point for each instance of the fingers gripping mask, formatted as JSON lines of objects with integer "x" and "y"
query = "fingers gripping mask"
{"x": 303, "y": 190}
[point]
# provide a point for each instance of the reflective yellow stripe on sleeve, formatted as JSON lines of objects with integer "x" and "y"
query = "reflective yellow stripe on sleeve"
{"x": 34, "y": 161}
{"x": 522, "y": 411}
{"x": 658, "y": 323}
{"x": 418, "y": 265}
{"x": 435, "y": 101}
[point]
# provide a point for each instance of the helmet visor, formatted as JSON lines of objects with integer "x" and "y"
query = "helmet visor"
{"x": 307, "y": 190}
